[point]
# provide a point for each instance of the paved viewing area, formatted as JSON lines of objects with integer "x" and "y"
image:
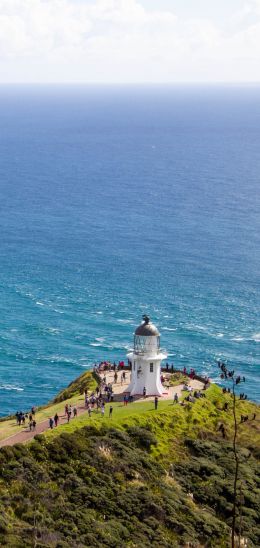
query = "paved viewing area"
{"x": 11, "y": 433}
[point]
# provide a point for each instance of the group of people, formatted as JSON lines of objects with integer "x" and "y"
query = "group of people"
{"x": 69, "y": 412}
{"x": 21, "y": 418}
{"x": 96, "y": 400}
{"x": 108, "y": 366}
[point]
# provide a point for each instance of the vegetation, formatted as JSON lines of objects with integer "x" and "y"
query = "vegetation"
{"x": 143, "y": 478}
{"x": 85, "y": 382}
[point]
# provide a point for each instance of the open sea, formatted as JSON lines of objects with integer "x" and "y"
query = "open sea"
{"x": 118, "y": 201}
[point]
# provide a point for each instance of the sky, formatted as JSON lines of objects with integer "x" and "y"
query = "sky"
{"x": 129, "y": 41}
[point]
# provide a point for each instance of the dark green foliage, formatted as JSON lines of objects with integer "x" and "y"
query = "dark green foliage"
{"x": 209, "y": 475}
{"x": 103, "y": 488}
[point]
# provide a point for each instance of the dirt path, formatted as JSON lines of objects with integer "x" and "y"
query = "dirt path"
{"x": 25, "y": 434}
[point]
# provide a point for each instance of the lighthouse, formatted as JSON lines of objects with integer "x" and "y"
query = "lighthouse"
{"x": 146, "y": 361}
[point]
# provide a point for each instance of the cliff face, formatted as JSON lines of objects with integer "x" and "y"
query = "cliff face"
{"x": 159, "y": 478}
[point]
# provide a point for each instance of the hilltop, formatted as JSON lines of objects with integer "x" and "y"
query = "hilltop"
{"x": 142, "y": 478}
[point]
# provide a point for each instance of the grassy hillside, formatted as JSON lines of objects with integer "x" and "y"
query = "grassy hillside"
{"x": 162, "y": 478}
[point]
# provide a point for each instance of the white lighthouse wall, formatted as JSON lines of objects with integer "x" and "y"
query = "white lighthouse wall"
{"x": 142, "y": 376}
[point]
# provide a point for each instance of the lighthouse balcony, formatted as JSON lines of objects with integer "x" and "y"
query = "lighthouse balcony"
{"x": 148, "y": 354}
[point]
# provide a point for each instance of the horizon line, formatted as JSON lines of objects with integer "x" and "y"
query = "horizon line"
{"x": 179, "y": 83}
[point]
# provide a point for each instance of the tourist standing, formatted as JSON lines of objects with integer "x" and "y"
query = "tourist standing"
{"x": 110, "y": 411}
{"x": 156, "y": 402}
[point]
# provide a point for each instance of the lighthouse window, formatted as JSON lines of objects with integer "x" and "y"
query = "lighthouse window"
{"x": 151, "y": 367}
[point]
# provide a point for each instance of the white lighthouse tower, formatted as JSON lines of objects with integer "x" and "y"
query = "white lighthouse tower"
{"x": 146, "y": 361}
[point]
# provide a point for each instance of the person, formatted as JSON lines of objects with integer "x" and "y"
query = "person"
{"x": 66, "y": 409}
{"x": 34, "y": 424}
{"x": 110, "y": 411}
{"x": 51, "y": 423}
{"x": 115, "y": 377}
{"x": 69, "y": 414}
{"x": 30, "y": 425}
{"x": 89, "y": 411}
{"x": 56, "y": 419}
{"x": 102, "y": 410}
{"x": 17, "y": 417}
{"x": 176, "y": 398}
{"x": 156, "y": 402}
{"x": 144, "y": 392}
{"x": 75, "y": 412}
{"x": 122, "y": 379}
{"x": 124, "y": 376}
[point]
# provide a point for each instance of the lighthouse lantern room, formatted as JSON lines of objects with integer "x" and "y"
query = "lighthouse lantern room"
{"x": 146, "y": 361}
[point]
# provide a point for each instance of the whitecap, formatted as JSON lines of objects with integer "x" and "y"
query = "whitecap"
{"x": 220, "y": 335}
{"x": 238, "y": 339}
{"x": 169, "y": 328}
{"x": 39, "y": 303}
{"x": 95, "y": 344}
{"x": 10, "y": 387}
{"x": 52, "y": 330}
{"x": 256, "y": 337}
{"x": 123, "y": 321}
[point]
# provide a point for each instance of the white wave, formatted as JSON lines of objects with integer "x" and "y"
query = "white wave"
{"x": 238, "y": 339}
{"x": 95, "y": 344}
{"x": 40, "y": 303}
{"x": 256, "y": 337}
{"x": 200, "y": 327}
{"x": 10, "y": 387}
{"x": 52, "y": 330}
{"x": 57, "y": 359}
{"x": 220, "y": 335}
{"x": 99, "y": 312}
{"x": 169, "y": 328}
{"x": 100, "y": 339}
{"x": 123, "y": 321}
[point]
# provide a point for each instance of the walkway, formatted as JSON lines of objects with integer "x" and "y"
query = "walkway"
{"x": 26, "y": 435}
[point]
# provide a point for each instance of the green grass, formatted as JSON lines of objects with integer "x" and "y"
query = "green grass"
{"x": 74, "y": 392}
{"x": 172, "y": 423}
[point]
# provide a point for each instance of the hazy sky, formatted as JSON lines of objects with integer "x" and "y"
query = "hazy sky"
{"x": 129, "y": 41}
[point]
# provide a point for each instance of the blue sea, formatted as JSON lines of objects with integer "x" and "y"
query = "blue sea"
{"x": 123, "y": 200}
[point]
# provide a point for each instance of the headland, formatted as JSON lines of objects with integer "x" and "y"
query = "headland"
{"x": 142, "y": 475}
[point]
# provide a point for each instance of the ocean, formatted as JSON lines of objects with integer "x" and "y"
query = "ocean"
{"x": 118, "y": 201}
